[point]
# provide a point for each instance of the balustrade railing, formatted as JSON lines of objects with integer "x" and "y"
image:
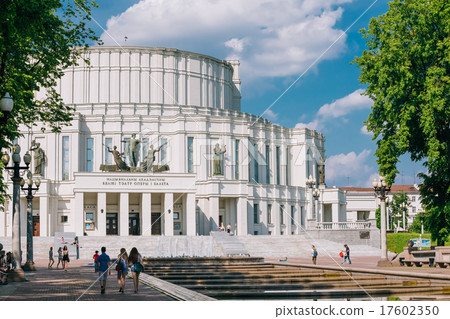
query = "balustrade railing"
{"x": 343, "y": 225}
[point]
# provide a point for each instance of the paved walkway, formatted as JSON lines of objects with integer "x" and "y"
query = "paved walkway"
{"x": 78, "y": 283}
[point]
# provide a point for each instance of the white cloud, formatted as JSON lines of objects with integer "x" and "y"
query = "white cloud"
{"x": 270, "y": 115}
{"x": 338, "y": 109}
{"x": 270, "y": 38}
{"x": 355, "y": 167}
{"x": 364, "y": 131}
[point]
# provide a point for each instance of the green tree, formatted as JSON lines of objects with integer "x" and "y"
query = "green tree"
{"x": 37, "y": 41}
{"x": 407, "y": 70}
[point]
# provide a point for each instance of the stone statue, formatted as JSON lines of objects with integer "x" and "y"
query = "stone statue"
{"x": 150, "y": 158}
{"x": 39, "y": 157}
{"x": 322, "y": 170}
{"x": 217, "y": 159}
{"x": 118, "y": 159}
{"x": 133, "y": 150}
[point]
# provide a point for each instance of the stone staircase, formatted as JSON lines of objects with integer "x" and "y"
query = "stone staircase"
{"x": 231, "y": 245}
{"x": 272, "y": 246}
{"x": 217, "y": 245}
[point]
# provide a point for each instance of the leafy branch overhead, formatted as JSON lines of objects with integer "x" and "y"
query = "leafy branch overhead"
{"x": 37, "y": 41}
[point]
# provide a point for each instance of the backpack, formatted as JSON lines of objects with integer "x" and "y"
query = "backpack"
{"x": 315, "y": 253}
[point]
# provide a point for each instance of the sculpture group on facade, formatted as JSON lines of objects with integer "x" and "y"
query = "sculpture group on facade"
{"x": 217, "y": 159}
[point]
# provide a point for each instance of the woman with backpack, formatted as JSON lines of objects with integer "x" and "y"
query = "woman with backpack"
{"x": 122, "y": 269}
{"x": 134, "y": 260}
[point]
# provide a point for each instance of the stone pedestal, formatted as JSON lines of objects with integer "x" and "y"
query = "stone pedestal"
{"x": 29, "y": 266}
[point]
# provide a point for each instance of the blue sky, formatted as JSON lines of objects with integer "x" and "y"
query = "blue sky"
{"x": 276, "y": 41}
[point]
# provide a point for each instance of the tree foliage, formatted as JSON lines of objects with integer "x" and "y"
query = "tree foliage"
{"x": 407, "y": 70}
{"x": 36, "y": 43}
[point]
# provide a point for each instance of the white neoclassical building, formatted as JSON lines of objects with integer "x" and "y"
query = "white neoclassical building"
{"x": 213, "y": 164}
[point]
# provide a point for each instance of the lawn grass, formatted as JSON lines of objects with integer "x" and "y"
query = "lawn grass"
{"x": 397, "y": 241}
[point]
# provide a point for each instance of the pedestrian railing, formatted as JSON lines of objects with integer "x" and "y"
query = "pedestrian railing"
{"x": 343, "y": 225}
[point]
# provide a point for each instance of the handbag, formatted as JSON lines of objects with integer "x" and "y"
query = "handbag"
{"x": 119, "y": 266}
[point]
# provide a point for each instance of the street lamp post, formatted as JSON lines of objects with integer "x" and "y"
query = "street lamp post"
{"x": 310, "y": 182}
{"x": 30, "y": 191}
{"x": 381, "y": 189}
{"x": 14, "y": 170}
{"x": 316, "y": 194}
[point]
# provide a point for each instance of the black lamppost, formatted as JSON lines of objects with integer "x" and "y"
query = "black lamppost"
{"x": 29, "y": 190}
{"x": 381, "y": 189}
{"x": 316, "y": 194}
{"x": 15, "y": 171}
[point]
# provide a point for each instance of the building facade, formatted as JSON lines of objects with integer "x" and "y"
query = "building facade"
{"x": 362, "y": 204}
{"x": 159, "y": 146}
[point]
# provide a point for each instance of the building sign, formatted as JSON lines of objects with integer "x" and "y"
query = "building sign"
{"x": 108, "y": 181}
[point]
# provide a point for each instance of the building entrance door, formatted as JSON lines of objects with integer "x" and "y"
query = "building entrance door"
{"x": 111, "y": 224}
{"x": 134, "y": 224}
{"x": 156, "y": 223}
{"x": 36, "y": 226}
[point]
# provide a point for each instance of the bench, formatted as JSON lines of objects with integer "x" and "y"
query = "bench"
{"x": 442, "y": 256}
{"x": 418, "y": 258}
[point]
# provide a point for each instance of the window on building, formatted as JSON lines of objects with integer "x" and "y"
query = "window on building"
{"x": 65, "y": 158}
{"x": 163, "y": 151}
{"x": 363, "y": 215}
{"x": 236, "y": 159}
{"x": 269, "y": 213}
{"x": 302, "y": 215}
{"x": 413, "y": 209}
{"x": 267, "y": 164}
{"x": 190, "y": 154}
{"x": 256, "y": 213}
{"x": 126, "y": 145}
{"x": 292, "y": 215}
{"x": 144, "y": 144}
{"x": 282, "y": 214}
{"x": 277, "y": 163}
{"x": 108, "y": 155}
{"x": 287, "y": 166}
{"x": 413, "y": 198}
{"x": 90, "y": 216}
{"x": 64, "y": 219}
{"x": 90, "y": 154}
{"x": 255, "y": 163}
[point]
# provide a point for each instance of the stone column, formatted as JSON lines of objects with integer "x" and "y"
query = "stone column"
{"x": 242, "y": 216}
{"x": 168, "y": 217}
{"x": 44, "y": 212}
{"x": 276, "y": 218}
{"x": 123, "y": 214}
{"x": 2, "y": 223}
{"x": 335, "y": 213}
{"x": 190, "y": 215}
{"x": 214, "y": 213}
{"x": 9, "y": 219}
{"x": 288, "y": 218}
{"x": 101, "y": 214}
{"x": 78, "y": 214}
{"x": 146, "y": 214}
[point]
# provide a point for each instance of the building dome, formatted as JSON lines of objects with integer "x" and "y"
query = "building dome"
{"x": 142, "y": 76}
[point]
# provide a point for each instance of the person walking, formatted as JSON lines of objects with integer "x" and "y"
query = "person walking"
{"x": 95, "y": 261}
{"x": 65, "y": 258}
{"x": 60, "y": 258}
{"x": 314, "y": 254}
{"x": 122, "y": 269}
{"x": 104, "y": 269}
{"x": 347, "y": 254}
{"x": 51, "y": 261}
{"x": 134, "y": 259}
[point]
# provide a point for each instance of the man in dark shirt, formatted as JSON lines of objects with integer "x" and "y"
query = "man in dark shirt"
{"x": 104, "y": 269}
{"x": 347, "y": 254}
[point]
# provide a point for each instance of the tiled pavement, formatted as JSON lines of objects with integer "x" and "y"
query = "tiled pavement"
{"x": 78, "y": 283}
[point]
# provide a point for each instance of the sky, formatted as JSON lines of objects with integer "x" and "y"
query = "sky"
{"x": 295, "y": 63}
